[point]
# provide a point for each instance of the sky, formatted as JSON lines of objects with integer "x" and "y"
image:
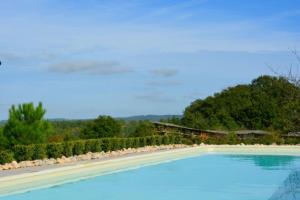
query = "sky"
{"x": 87, "y": 58}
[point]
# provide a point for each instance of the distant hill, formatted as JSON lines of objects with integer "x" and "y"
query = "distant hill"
{"x": 127, "y": 119}
{"x": 148, "y": 117}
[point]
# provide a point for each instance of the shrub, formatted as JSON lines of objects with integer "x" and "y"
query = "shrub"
{"x": 171, "y": 139}
{"x": 142, "y": 141}
{"x": 187, "y": 141}
{"x": 93, "y": 145}
{"x": 122, "y": 143}
{"x": 6, "y": 157}
{"x": 196, "y": 140}
{"x": 249, "y": 140}
{"x": 157, "y": 140}
{"x": 55, "y": 150}
{"x": 115, "y": 144}
{"x": 291, "y": 141}
{"x": 39, "y": 151}
{"x": 231, "y": 138}
{"x": 23, "y": 152}
{"x": 135, "y": 142}
{"x": 106, "y": 145}
{"x": 267, "y": 139}
{"x": 165, "y": 140}
{"x": 178, "y": 139}
{"x": 150, "y": 141}
{"x": 129, "y": 142}
{"x": 79, "y": 147}
{"x": 68, "y": 149}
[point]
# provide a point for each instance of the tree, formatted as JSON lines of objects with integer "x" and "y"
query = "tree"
{"x": 103, "y": 126}
{"x": 26, "y": 125}
{"x": 142, "y": 129}
{"x": 267, "y": 103}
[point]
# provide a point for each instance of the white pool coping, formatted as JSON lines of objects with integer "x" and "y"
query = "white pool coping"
{"x": 46, "y": 178}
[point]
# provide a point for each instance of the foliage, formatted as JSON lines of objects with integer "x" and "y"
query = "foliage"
{"x": 79, "y": 147}
{"x": 6, "y": 157}
{"x": 231, "y": 138}
{"x": 39, "y": 152}
{"x": 267, "y": 103}
{"x": 68, "y": 148}
{"x": 55, "y": 150}
{"x": 67, "y": 130}
{"x": 26, "y": 125}
{"x": 103, "y": 126}
{"x": 140, "y": 129}
{"x": 172, "y": 120}
{"x": 23, "y": 152}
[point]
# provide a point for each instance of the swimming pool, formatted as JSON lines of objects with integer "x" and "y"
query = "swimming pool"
{"x": 208, "y": 177}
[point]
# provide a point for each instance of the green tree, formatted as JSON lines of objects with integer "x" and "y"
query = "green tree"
{"x": 103, "y": 126}
{"x": 26, "y": 125}
{"x": 143, "y": 128}
{"x": 267, "y": 103}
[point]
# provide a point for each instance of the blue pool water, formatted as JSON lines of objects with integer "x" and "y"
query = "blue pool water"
{"x": 209, "y": 177}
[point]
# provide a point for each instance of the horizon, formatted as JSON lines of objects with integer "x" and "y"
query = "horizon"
{"x": 88, "y": 58}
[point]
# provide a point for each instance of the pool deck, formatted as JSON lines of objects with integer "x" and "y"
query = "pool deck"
{"x": 26, "y": 179}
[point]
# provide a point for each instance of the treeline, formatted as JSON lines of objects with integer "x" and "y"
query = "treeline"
{"x": 268, "y": 103}
{"x": 26, "y": 125}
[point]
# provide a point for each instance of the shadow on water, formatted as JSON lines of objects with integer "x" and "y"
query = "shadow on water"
{"x": 290, "y": 190}
{"x": 266, "y": 162}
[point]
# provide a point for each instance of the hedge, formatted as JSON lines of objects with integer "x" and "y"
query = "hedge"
{"x": 77, "y": 147}
{"x": 23, "y": 152}
{"x": 6, "y": 157}
{"x": 39, "y": 152}
{"x": 56, "y": 150}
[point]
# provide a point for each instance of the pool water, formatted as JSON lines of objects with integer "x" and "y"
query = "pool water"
{"x": 207, "y": 177}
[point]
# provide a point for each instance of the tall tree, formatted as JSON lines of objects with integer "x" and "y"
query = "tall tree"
{"x": 26, "y": 124}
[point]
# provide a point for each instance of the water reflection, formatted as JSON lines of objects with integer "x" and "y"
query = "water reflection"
{"x": 290, "y": 190}
{"x": 267, "y": 162}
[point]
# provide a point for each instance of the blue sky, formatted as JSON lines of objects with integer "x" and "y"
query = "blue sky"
{"x": 85, "y": 58}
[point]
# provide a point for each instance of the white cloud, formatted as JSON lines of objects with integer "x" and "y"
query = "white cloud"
{"x": 164, "y": 72}
{"x": 90, "y": 67}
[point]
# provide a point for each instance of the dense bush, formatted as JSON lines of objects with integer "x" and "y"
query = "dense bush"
{"x": 150, "y": 141}
{"x": 55, "y": 150}
{"x": 23, "y": 152}
{"x": 158, "y": 140}
{"x": 231, "y": 138}
{"x": 267, "y": 103}
{"x": 68, "y": 149}
{"x": 26, "y": 125}
{"x": 39, "y": 152}
{"x": 106, "y": 144}
{"x": 6, "y": 157}
{"x": 142, "y": 141}
{"x": 292, "y": 141}
{"x": 140, "y": 129}
{"x": 129, "y": 142}
{"x": 79, "y": 147}
{"x": 165, "y": 140}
